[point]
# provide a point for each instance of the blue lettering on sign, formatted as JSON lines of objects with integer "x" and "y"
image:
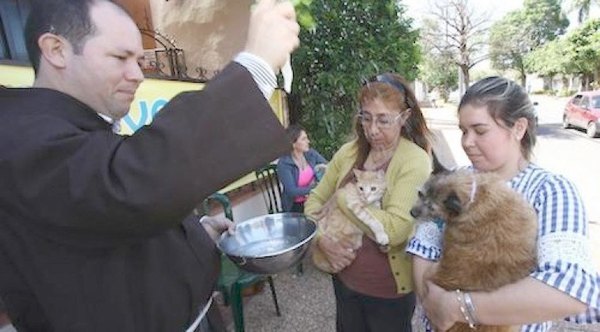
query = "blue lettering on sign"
{"x": 157, "y": 105}
{"x": 146, "y": 115}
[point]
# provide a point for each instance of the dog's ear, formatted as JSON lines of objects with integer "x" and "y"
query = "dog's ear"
{"x": 452, "y": 204}
{"x": 438, "y": 167}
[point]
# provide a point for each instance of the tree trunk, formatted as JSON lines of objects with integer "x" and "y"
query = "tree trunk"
{"x": 466, "y": 79}
{"x": 567, "y": 83}
{"x": 547, "y": 83}
{"x": 571, "y": 83}
{"x": 523, "y": 78}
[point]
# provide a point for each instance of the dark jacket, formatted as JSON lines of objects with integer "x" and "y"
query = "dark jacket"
{"x": 91, "y": 231}
{"x": 288, "y": 175}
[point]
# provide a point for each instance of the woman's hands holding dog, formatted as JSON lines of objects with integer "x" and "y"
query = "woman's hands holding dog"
{"x": 339, "y": 253}
{"x": 441, "y": 306}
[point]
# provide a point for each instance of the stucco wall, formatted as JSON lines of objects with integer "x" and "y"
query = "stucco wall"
{"x": 210, "y": 32}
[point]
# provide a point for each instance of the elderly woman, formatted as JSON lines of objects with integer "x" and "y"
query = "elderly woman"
{"x": 498, "y": 125}
{"x": 373, "y": 289}
{"x": 298, "y": 170}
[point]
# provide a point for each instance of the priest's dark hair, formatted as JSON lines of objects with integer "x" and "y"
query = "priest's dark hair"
{"x": 67, "y": 18}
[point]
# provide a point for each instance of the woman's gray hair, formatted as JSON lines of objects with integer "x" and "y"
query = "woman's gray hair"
{"x": 506, "y": 101}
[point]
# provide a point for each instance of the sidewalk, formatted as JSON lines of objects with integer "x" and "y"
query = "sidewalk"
{"x": 307, "y": 304}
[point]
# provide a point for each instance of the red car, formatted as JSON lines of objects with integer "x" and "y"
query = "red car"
{"x": 583, "y": 111}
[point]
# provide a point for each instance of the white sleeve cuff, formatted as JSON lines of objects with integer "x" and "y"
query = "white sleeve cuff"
{"x": 261, "y": 72}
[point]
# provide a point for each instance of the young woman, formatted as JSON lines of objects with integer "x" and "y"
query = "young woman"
{"x": 498, "y": 125}
{"x": 373, "y": 289}
{"x": 297, "y": 170}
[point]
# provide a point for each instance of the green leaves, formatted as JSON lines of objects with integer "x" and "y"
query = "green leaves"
{"x": 576, "y": 53}
{"x": 350, "y": 40}
{"x": 303, "y": 15}
{"x": 522, "y": 31}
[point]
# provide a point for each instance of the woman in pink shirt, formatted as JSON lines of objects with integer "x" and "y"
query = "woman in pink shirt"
{"x": 298, "y": 170}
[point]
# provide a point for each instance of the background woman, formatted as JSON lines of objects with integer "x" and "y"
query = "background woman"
{"x": 498, "y": 125}
{"x": 373, "y": 289}
{"x": 297, "y": 170}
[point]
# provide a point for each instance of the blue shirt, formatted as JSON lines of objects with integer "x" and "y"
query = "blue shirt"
{"x": 564, "y": 255}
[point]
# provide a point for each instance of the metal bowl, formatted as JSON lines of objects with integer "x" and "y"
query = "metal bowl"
{"x": 269, "y": 244}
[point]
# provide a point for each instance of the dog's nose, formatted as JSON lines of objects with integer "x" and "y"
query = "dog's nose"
{"x": 414, "y": 212}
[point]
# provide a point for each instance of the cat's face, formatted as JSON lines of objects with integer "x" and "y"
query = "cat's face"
{"x": 370, "y": 184}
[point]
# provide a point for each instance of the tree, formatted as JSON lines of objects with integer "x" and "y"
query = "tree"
{"x": 577, "y": 53}
{"x": 584, "y": 51}
{"x": 436, "y": 68}
{"x": 509, "y": 43}
{"x": 460, "y": 32}
{"x": 437, "y": 72}
{"x": 522, "y": 31}
{"x": 583, "y": 8}
{"x": 351, "y": 40}
{"x": 549, "y": 60}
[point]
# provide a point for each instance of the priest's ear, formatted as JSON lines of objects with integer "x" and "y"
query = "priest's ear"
{"x": 54, "y": 49}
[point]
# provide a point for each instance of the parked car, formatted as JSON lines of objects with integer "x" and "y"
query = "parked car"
{"x": 583, "y": 111}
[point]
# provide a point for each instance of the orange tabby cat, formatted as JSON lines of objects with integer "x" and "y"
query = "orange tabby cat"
{"x": 367, "y": 190}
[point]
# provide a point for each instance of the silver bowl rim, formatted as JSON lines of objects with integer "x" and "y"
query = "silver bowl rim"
{"x": 277, "y": 253}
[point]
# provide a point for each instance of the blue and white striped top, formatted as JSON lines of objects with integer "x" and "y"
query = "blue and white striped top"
{"x": 564, "y": 255}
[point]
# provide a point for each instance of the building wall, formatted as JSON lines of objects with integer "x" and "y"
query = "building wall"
{"x": 210, "y": 32}
{"x": 141, "y": 13}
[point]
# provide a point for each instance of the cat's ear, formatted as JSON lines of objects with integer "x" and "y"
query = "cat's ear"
{"x": 452, "y": 204}
{"x": 357, "y": 172}
{"x": 381, "y": 174}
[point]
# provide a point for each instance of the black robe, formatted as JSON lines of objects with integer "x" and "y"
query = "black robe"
{"x": 91, "y": 231}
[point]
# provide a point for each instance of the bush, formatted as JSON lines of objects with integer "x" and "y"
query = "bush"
{"x": 352, "y": 40}
{"x": 547, "y": 92}
{"x": 566, "y": 93}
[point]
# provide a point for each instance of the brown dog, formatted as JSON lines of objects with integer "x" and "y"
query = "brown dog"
{"x": 489, "y": 237}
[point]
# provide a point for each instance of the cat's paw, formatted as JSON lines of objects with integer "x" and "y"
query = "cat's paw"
{"x": 382, "y": 239}
{"x": 384, "y": 248}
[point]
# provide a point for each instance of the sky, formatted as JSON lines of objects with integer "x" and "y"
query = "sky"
{"x": 496, "y": 9}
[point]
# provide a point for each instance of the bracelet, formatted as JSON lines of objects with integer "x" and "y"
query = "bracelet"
{"x": 470, "y": 307}
{"x": 463, "y": 310}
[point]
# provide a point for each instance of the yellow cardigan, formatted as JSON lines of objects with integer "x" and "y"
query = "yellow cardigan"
{"x": 408, "y": 170}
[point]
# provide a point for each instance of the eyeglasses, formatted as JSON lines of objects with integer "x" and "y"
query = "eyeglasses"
{"x": 388, "y": 79}
{"x": 382, "y": 121}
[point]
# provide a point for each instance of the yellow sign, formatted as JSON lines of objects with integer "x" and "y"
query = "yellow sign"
{"x": 16, "y": 76}
{"x": 151, "y": 96}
